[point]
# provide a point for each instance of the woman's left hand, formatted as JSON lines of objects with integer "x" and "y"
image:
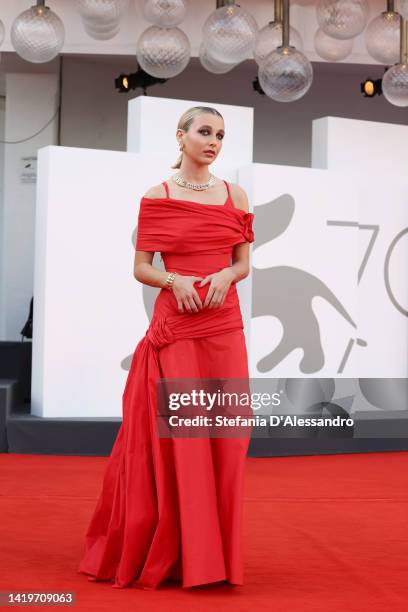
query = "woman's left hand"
{"x": 219, "y": 284}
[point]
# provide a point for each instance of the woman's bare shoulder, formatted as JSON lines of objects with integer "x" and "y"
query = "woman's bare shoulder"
{"x": 157, "y": 191}
{"x": 239, "y": 197}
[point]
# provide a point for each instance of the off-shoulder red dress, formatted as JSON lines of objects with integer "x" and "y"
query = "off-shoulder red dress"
{"x": 171, "y": 508}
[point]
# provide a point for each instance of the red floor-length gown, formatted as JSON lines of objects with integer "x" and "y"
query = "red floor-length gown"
{"x": 171, "y": 508}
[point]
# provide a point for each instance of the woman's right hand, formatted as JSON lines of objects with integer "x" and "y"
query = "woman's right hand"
{"x": 186, "y": 294}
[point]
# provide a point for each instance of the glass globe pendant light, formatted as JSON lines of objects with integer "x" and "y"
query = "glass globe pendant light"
{"x": 342, "y": 18}
{"x": 101, "y": 18}
{"x": 382, "y": 36}
{"x": 101, "y": 12}
{"x": 163, "y": 52}
{"x": 229, "y": 33}
{"x": 332, "y": 49}
{"x": 102, "y": 32}
{"x": 395, "y": 80}
{"x": 270, "y": 36}
{"x": 165, "y": 13}
{"x": 211, "y": 64}
{"x": 37, "y": 34}
{"x": 286, "y": 74}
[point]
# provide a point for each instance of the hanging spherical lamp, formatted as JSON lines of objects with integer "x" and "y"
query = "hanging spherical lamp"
{"x": 395, "y": 80}
{"x": 165, "y": 13}
{"x": 286, "y": 74}
{"x": 212, "y": 65}
{"x": 163, "y": 52}
{"x": 382, "y": 37}
{"x": 332, "y": 49}
{"x": 37, "y": 34}
{"x": 105, "y": 27}
{"x": 99, "y": 12}
{"x": 229, "y": 34}
{"x": 342, "y": 18}
{"x": 102, "y": 33}
{"x": 395, "y": 85}
{"x": 101, "y": 18}
{"x": 270, "y": 36}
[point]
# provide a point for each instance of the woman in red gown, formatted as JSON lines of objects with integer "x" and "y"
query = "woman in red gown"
{"x": 171, "y": 507}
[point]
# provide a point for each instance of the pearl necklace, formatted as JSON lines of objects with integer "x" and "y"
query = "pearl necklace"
{"x": 177, "y": 178}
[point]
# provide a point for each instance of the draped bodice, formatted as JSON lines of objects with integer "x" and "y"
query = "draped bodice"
{"x": 194, "y": 239}
{"x": 186, "y": 227}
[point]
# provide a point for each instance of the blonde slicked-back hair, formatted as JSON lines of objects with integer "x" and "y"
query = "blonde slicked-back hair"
{"x": 187, "y": 119}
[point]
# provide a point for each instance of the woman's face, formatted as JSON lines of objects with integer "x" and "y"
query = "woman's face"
{"x": 204, "y": 134}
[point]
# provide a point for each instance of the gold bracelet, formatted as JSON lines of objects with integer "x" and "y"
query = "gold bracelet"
{"x": 170, "y": 280}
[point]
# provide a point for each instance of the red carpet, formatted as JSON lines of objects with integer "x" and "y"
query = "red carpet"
{"x": 321, "y": 533}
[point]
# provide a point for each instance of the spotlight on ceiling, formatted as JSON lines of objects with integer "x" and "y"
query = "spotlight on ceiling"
{"x": 370, "y": 88}
{"x": 140, "y": 79}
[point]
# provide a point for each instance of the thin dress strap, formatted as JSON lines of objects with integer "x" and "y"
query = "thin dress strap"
{"x": 166, "y": 188}
{"x": 228, "y": 201}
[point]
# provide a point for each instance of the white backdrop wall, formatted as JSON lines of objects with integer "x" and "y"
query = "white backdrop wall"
{"x": 330, "y": 282}
{"x": 373, "y": 155}
{"x": 304, "y": 288}
{"x": 86, "y": 320}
